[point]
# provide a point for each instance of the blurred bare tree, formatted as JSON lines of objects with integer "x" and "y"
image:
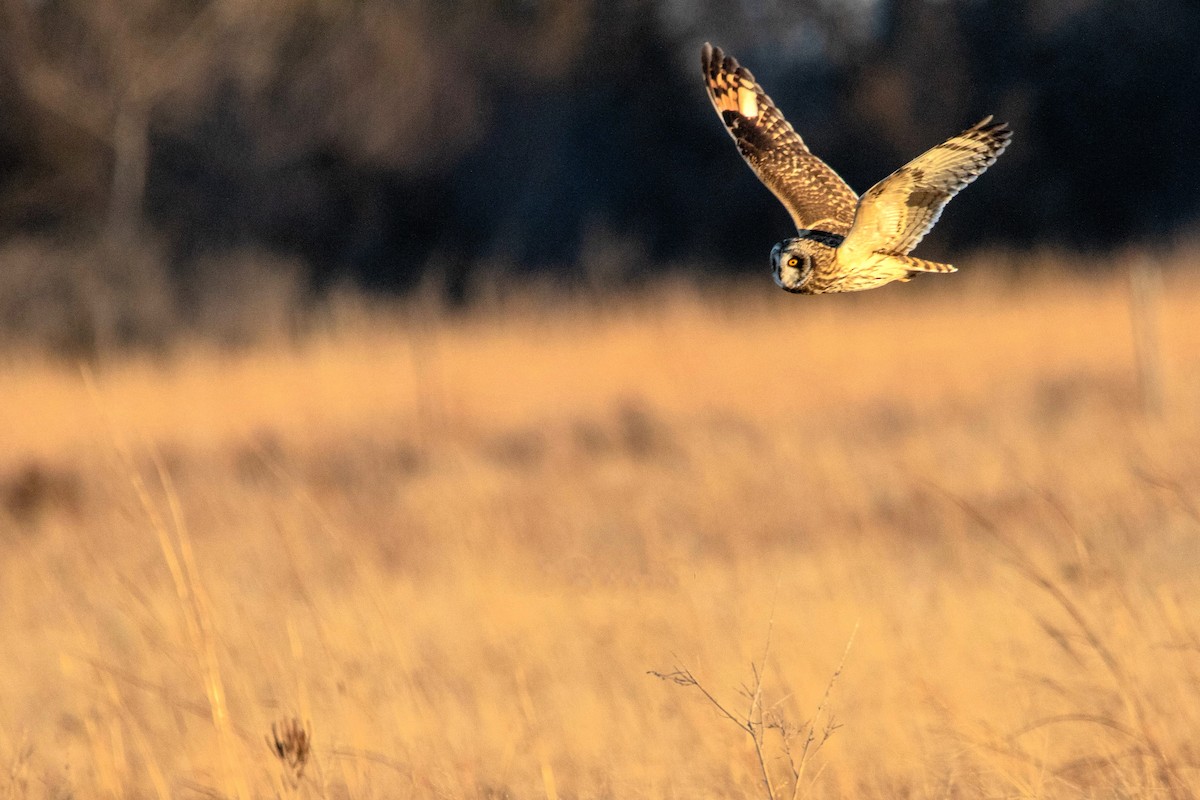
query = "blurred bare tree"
{"x": 388, "y": 85}
{"x": 104, "y": 66}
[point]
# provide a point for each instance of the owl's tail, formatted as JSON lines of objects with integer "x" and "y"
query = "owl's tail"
{"x": 897, "y": 267}
{"x": 919, "y": 264}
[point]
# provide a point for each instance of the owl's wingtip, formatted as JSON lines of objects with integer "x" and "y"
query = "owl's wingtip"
{"x": 989, "y": 125}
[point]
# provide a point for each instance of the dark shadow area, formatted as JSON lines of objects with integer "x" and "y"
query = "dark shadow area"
{"x": 394, "y": 144}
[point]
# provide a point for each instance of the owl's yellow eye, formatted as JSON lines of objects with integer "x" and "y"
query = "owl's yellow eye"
{"x": 793, "y": 261}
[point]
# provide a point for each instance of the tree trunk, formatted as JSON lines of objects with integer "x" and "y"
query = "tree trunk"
{"x": 131, "y": 155}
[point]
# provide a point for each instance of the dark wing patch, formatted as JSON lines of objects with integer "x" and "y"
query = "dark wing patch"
{"x": 814, "y": 195}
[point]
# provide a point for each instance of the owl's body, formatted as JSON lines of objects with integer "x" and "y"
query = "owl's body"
{"x": 843, "y": 243}
{"x": 823, "y": 267}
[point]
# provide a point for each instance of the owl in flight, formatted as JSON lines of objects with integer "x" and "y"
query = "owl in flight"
{"x": 844, "y": 243}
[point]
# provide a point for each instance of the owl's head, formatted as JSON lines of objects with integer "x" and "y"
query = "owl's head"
{"x": 792, "y": 263}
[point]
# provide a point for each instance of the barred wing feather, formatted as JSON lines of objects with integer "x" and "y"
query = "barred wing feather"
{"x": 896, "y": 213}
{"x": 814, "y": 195}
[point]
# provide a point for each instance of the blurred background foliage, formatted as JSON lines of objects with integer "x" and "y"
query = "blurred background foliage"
{"x": 159, "y": 157}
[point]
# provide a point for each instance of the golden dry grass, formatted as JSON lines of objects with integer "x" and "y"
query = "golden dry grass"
{"x": 454, "y": 548}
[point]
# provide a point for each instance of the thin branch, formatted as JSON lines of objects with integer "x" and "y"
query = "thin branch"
{"x": 682, "y": 676}
{"x": 759, "y": 719}
{"x": 808, "y": 751}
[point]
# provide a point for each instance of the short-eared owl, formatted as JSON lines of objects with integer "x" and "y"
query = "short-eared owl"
{"x": 844, "y": 243}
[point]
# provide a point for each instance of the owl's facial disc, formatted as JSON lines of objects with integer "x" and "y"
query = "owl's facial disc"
{"x": 790, "y": 265}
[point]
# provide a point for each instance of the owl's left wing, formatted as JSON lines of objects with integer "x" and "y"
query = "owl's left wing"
{"x": 896, "y": 213}
{"x": 814, "y": 195}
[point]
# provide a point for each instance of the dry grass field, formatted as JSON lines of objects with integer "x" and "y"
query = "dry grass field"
{"x": 931, "y": 526}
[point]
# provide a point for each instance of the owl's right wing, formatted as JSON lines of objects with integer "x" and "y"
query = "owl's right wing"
{"x": 896, "y": 213}
{"x": 815, "y": 195}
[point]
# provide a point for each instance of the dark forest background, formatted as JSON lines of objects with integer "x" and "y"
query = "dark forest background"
{"x": 158, "y": 155}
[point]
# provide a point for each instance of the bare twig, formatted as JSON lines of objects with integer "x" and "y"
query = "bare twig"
{"x": 682, "y": 676}
{"x": 751, "y": 723}
{"x": 830, "y": 725}
{"x": 758, "y": 719}
{"x": 754, "y": 719}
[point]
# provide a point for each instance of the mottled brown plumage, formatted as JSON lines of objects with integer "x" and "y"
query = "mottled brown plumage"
{"x": 815, "y": 195}
{"x": 844, "y": 244}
